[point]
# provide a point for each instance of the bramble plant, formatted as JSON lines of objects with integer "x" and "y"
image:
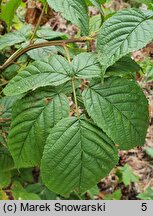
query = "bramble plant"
{"x": 74, "y": 148}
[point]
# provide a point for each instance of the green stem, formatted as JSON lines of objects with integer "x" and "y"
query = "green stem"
{"x": 75, "y": 99}
{"x": 103, "y": 11}
{"x": 29, "y": 47}
{"x": 72, "y": 80}
{"x": 80, "y": 198}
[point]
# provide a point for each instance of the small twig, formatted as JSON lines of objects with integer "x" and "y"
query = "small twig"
{"x": 21, "y": 51}
{"x": 72, "y": 82}
{"x": 75, "y": 99}
{"x": 67, "y": 53}
{"x": 3, "y": 84}
{"x": 4, "y": 119}
{"x": 148, "y": 184}
{"x": 38, "y": 23}
{"x": 103, "y": 11}
{"x": 3, "y": 81}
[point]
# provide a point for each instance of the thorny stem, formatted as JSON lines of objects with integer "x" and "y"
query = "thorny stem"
{"x": 38, "y": 23}
{"x": 21, "y": 51}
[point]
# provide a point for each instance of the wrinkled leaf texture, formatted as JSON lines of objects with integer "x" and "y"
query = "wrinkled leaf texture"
{"x": 77, "y": 155}
{"x": 120, "y": 109}
{"x": 33, "y": 117}
{"x": 75, "y": 11}
{"x": 126, "y": 31}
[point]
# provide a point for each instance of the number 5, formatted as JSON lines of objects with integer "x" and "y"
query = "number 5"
{"x": 144, "y": 207}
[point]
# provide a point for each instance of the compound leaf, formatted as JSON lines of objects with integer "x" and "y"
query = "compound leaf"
{"x": 128, "y": 175}
{"x": 73, "y": 10}
{"x": 120, "y": 108}
{"x": 33, "y": 117}
{"x": 76, "y": 156}
{"x": 126, "y": 31}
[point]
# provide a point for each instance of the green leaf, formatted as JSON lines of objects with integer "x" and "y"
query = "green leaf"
{"x": 12, "y": 70}
{"x": 33, "y": 117}
{"x": 124, "y": 66}
{"x": 9, "y": 10}
{"x": 48, "y": 34}
{"x": 93, "y": 192}
{"x": 6, "y": 104}
{"x": 149, "y": 72}
{"x": 94, "y": 24}
{"x": 46, "y": 194}
{"x": 26, "y": 175}
{"x": 6, "y": 161}
{"x": 42, "y": 52}
{"x": 11, "y": 39}
{"x": 97, "y": 4}
{"x": 77, "y": 155}
{"x": 42, "y": 191}
{"x": 19, "y": 193}
{"x": 128, "y": 176}
{"x": 52, "y": 71}
{"x": 3, "y": 195}
{"x": 73, "y": 10}
{"x": 149, "y": 151}
{"x": 2, "y": 57}
{"x": 126, "y": 31}
{"x": 116, "y": 195}
{"x": 91, "y": 2}
{"x": 147, "y": 195}
{"x": 86, "y": 65}
{"x": 5, "y": 179}
{"x": 120, "y": 109}
{"x": 2, "y": 137}
{"x": 145, "y": 1}
{"x": 16, "y": 37}
{"x": 34, "y": 188}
